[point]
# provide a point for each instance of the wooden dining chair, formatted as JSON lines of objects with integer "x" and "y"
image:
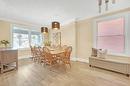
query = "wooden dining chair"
{"x": 49, "y": 58}
{"x": 53, "y": 46}
{"x": 32, "y": 52}
{"x": 64, "y": 47}
{"x": 1, "y": 67}
{"x": 40, "y": 54}
{"x": 36, "y": 54}
{"x": 58, "y": 47}
{"x": 65, "y": 57}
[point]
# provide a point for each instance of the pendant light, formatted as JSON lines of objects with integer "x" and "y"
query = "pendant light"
{"x": 113, "y": 1}
{"x": 99, "y": 4}
{"x": 107, "y": 2}
{"x": 55, "y": 25}
{"x": 44, "y": 30}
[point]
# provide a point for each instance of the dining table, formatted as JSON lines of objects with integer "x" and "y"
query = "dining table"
{"x": 55, "y": 51}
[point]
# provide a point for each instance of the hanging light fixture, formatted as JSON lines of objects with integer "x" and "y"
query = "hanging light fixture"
{"x": 113, "y": 1}
{"x": 106, "y": 2}
{"x": 44, "y": 30}
{"x": 55, "y": 25}
{"x": 99, "y": 4}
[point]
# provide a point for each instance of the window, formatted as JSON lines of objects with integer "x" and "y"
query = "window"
{"x": 111, "y": 35}
{"x": 36, "y": 38}
{"x": 20, "y": 38}
{"x": 23, "y": 38}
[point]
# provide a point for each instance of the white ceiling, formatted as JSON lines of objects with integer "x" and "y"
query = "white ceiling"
{"x": 43, "y": 12}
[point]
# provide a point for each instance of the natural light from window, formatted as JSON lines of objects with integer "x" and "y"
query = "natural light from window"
{"x": 23, "y": 38}
{"x": 111, "y": 35}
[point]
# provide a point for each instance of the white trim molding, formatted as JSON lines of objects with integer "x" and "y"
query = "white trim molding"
{"x": 73, "y": 59}
{"x": 83, "y": 60}
{"x": 80, "y": 59}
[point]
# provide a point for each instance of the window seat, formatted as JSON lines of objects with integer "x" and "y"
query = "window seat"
{"x": 117, "y": 64}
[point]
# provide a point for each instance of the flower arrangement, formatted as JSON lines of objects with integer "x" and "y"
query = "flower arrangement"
{"x": 4, "y": 42}
{"x": 47, "y": 43}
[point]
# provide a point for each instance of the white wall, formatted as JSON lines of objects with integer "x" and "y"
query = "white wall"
{"x": 68, "y": 36}
{"x": 83, "y": 32}
{"x": 6, "y": 34}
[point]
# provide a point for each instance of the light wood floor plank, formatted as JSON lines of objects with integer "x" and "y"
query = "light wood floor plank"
{"x": 34, "y": 74}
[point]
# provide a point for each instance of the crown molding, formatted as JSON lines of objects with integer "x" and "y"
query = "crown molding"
{"x": 25, "y": 23}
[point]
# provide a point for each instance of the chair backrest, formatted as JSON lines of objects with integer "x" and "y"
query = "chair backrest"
{"x": 36, "y": 51}
{"x": 46, "y": 50}
{"x": 64, "y": 47}
{"x": 40, "y": 51}
{"x": 48, "y": 55}
{"x": 58, "y": 47}
{"x": 68, "y": 51}
{"x": 0, "y": 59}
{"x": 53, "y": 46}
{"x": 32, "y": 50}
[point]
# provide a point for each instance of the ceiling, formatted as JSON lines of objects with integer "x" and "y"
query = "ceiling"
{"x": 43, "y": 12}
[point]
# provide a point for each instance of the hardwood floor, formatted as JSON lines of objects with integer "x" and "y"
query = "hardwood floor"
{"x": 33, "y": 74}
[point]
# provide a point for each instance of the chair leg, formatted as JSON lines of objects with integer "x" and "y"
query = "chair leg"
{"x": 127, "y": 75}
{"x": 67, "y": 64}
{"x": 70, "y": 65}
{"x": 17, "y": 65}
{"x": 39, "y": 60}
{"x": 2, "y": 68}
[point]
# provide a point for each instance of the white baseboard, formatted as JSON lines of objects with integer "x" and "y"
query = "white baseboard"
{"x": 80, "y": 59}
{"x": 83, "y": 60}
{"x": 23, "y": 57}
{"x": 72, "y": 59}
